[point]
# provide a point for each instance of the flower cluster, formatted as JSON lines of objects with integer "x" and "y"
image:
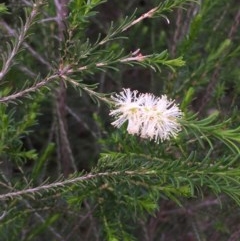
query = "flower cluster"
{"x": 147, "y": 115}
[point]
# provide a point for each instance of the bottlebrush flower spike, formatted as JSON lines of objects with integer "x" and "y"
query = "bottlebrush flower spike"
{"x": 148, "y": 116}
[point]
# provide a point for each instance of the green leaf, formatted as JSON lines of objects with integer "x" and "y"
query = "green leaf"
{"x": 3, "y": 8}
{"x": 41, "y": 161}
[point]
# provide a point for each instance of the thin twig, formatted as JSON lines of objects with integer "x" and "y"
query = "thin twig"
{"x": 78, "y": 119}
{"x": 33, "y": 88}
{"x": 90, "y": 176}
{"x": 35, "y": 54}
{"x": 63, "y": 74}
{"x": 137, "y": 58}
{"x": 65, "y": 144}
{"x": 19, "y": 39}
{"x": 148, "y": 14}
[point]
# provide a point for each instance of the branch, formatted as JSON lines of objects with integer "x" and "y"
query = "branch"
{"x": 48, "y": 187}
{"x": 36, "y": 55}
{"x": 148, "y": 14}
{"x": 34, "y": 88}
{"x": 19, "y": 39}
{"x": 66, "y": 71}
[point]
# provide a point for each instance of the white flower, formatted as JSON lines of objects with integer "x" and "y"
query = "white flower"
{"x": 147, "y": 115}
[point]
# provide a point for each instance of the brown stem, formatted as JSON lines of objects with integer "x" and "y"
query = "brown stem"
{"x": 65, "y": 152}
